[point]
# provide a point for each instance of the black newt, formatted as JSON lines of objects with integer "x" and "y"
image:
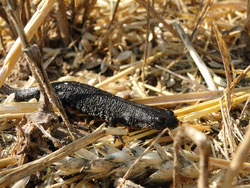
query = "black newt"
{"x": 101, "y": 104}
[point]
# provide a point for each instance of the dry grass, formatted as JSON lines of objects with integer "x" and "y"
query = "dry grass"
{"x": 190, "y": 56}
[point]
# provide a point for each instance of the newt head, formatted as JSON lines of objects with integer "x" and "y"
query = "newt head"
{"x": 153, "y": 118}
{"x": 168, "y": 119}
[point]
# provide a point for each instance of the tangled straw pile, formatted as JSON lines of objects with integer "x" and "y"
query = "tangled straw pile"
{"x": 190, "y": 56}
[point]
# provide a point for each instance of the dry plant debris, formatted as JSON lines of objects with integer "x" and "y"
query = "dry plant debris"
{"x": 190, "y": 56}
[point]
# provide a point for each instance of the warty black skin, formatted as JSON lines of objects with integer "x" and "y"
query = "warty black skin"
{"x": 101, "y": 104}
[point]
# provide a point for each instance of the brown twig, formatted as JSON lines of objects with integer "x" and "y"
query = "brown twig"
{"x": 158, "y": 17}
{"x": 4, "y": 15}
{"x": 146, "y": 43}
{"x": 227, "y": 121}
{"x": 86, "y": 11}
{"x": 226, "y": 61}
{"x": 25, "y": 11}
{"x": 33, "y": 54}
{"x": 201, "y": 141}
{"x": 63, "y": 22}
{"x": 35, "y": 64}
{"x": 113, "y": 15}
{"x": 201, "y": 18}
{"x": 247, "y": 22}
